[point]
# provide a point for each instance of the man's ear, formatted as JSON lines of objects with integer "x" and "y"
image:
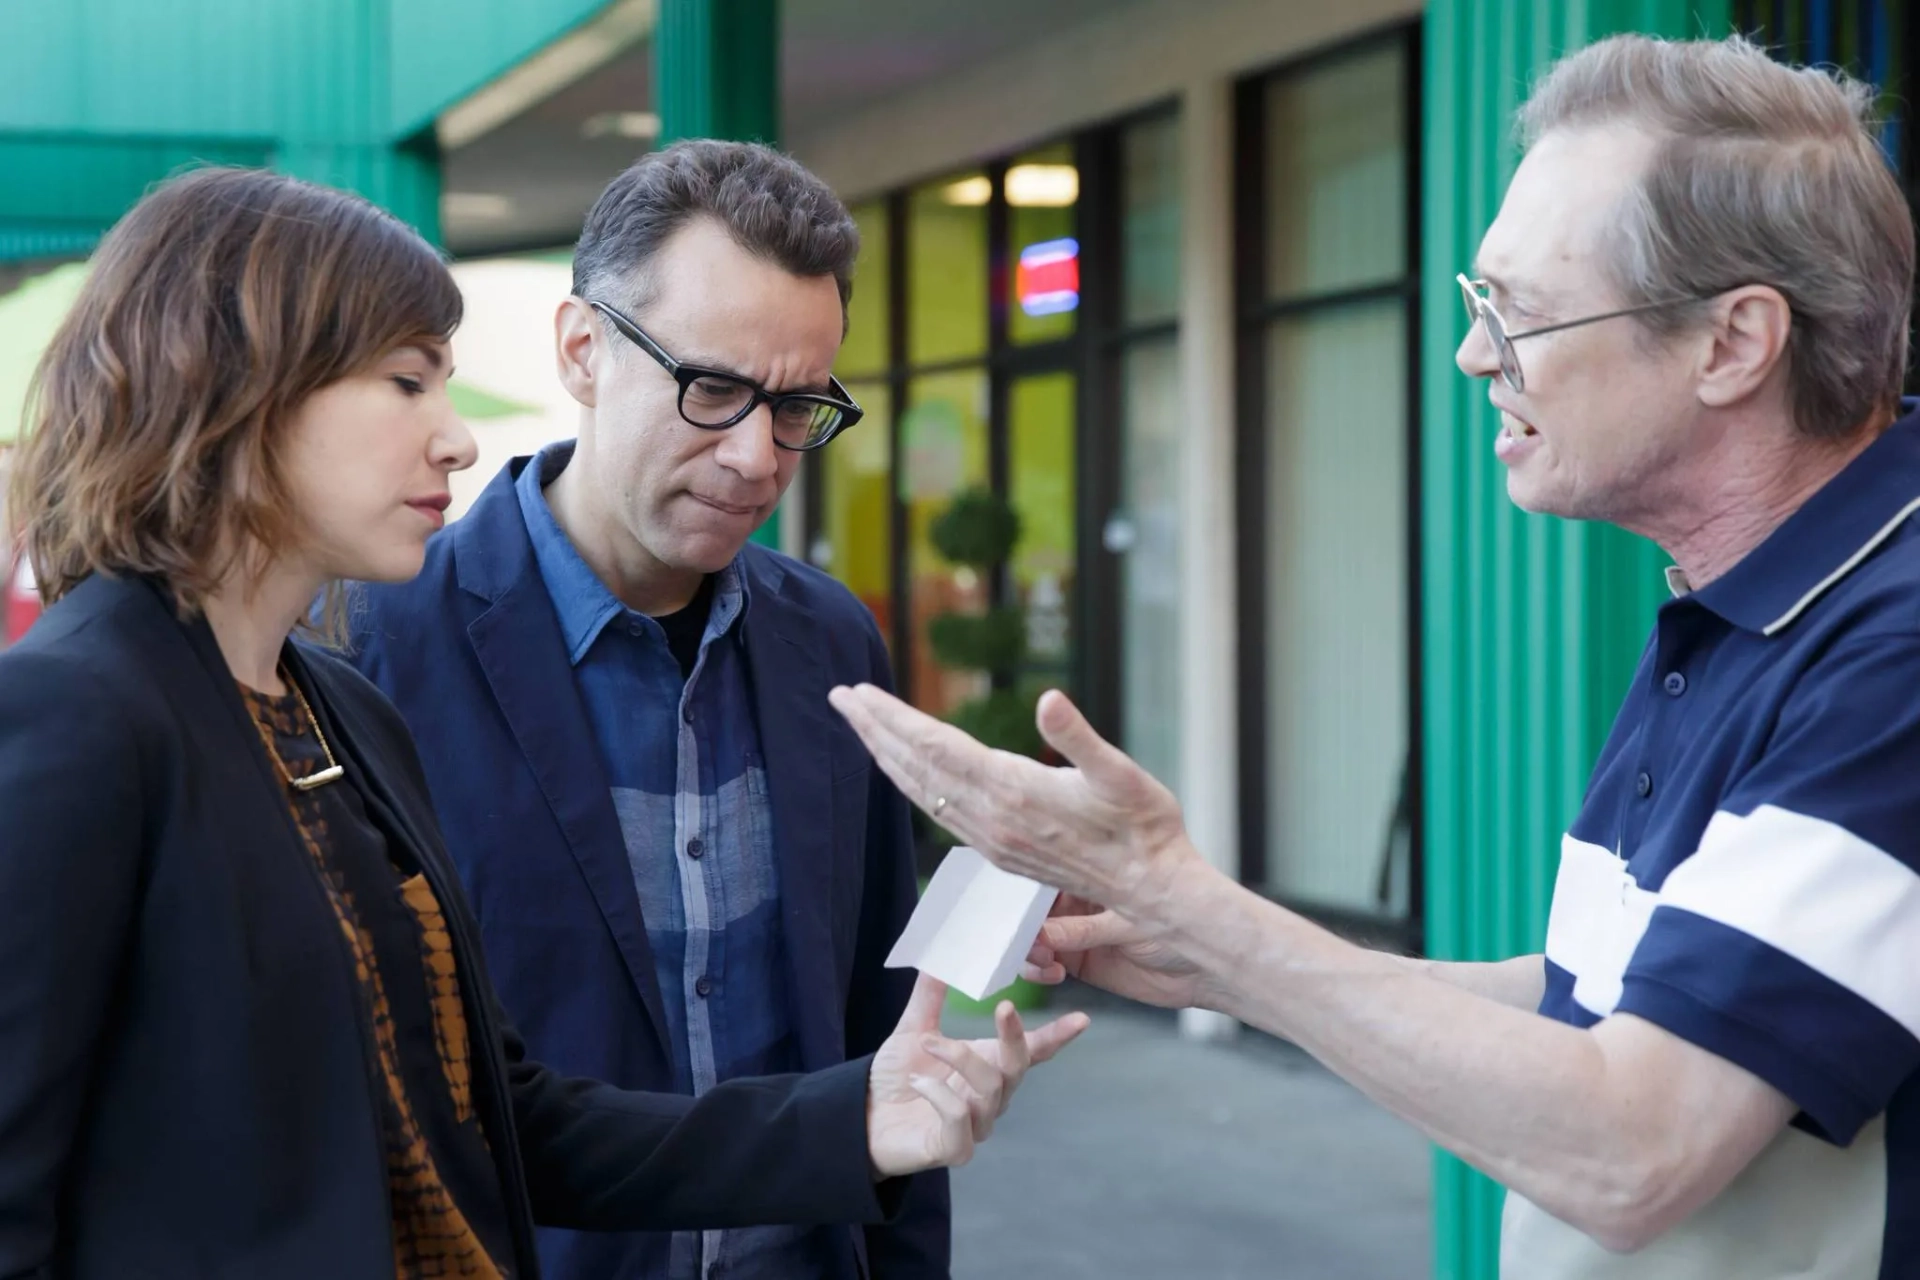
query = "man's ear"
{"x": 1749, "y": 331}
{"x": 576, "y": 340}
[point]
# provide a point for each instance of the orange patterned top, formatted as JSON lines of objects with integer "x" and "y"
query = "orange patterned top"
{"x": 448, "y": 1210}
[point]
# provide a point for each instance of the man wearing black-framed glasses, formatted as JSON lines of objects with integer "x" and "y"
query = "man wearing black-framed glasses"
{"x": 685, "y": 868}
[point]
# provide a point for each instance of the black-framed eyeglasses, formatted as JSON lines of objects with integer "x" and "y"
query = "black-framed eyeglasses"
{"x": 1481, "y": 311}
{"x": 713, "y": 399}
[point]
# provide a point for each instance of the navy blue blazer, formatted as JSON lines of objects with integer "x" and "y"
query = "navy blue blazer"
{"x": 471, "y": 652}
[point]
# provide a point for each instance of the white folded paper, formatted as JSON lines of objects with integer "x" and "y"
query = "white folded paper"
{"x": 974, "y": 925}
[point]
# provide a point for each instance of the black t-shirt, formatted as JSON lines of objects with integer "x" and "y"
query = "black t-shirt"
{"x": 688, "y": 626}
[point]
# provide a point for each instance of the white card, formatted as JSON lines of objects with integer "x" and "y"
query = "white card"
{"x": 974, "y": 925}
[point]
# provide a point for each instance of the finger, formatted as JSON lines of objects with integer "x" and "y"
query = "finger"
{"x": 928, "y": 760}
{"x": 981, "y": 1076}
{"x": 924, "y": 1006}
{"x": 1014, "y": 1055}
{"x": 1044, "y": 1042}
{"x": 954, "y": 1144}
{"x": 1051, "y": 975}
{"x": 1068, "y": 732}
{"x": 1084, "y": 933}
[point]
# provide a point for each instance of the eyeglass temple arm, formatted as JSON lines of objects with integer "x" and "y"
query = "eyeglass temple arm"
{"x": 638, "y": 336}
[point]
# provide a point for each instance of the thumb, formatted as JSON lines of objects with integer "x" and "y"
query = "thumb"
{"x": 1084, "y": 933}
{"x": 923, "y": 1010}
{"x": 1068, "y": 732}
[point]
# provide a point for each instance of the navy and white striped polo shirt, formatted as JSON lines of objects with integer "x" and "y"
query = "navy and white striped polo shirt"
{"x": 1745, "y": 872}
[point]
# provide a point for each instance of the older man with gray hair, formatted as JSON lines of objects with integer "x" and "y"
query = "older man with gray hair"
{"x": 1692, "y": 314}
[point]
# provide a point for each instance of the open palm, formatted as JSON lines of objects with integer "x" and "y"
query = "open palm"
{"x": 930, "y": 1099}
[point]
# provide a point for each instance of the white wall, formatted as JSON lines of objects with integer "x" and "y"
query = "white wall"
{"x": 505, "y": 346}
{"x": 1138, "y": 55}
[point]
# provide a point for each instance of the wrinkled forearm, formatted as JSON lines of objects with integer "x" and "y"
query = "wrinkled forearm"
{"x": 1518, "y": 983}
{"x": 1455, "y": 1050}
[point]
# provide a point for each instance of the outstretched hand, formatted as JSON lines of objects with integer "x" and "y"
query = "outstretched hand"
{"x": 930, "y": 1099}
{"x": 1102, "y": 828}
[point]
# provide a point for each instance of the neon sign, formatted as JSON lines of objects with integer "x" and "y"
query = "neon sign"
{"x": 1047, "y": 281}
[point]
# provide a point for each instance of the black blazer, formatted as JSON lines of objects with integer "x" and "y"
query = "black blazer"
{"x": 186, "y": 1089}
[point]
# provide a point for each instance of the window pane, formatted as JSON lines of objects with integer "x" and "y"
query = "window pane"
{"x": 1040, "y": 486}
{"x": 1150, "y": 591}
{"x": 1150, "y": 220}
{"x": 855, "y": 538}
{"x": 1043, "y": 188}
{"x": 944, "y": 442}
{"x": 947, "y": 269}
{"x": 868, "y": 315}
{"x": 1337, "y": 619}
{"x": 1336, "y": 181}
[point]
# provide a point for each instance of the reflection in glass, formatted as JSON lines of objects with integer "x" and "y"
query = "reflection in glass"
{"x": 1337, "y": 620}
{"x": 1150, "y": 591}
{"x": 1040, "y": 413}
{"x": 1150, "y": 220}
{"x": 1043, "y": 255}
{"x": 869, "y": 314}
{"x": 1336, "y": 174}
{"x": 943, "y": 437}
{"x": 855, "y": 544}
{"x": 947, "y": 270}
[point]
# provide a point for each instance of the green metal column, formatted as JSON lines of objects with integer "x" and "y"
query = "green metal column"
{"x": 1531, "y": 626}
{"x": 717, "y": 68}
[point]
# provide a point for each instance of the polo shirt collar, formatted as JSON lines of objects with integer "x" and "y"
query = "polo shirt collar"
{"x": 1825, "y": 540}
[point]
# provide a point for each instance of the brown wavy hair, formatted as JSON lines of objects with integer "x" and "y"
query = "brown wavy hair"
{"x": 154, "y": 426}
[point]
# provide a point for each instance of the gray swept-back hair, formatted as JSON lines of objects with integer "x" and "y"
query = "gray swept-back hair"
{"x": 1762, "y": 174}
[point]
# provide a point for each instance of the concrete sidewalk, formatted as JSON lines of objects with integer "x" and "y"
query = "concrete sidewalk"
{"x": 1137, "y": 1154}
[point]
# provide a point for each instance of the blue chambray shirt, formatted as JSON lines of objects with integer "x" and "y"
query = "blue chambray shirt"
{"x": 683, "y": 761}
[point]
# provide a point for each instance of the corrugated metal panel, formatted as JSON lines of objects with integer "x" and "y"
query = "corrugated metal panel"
{"x": 1532, "y": 626}
{"x": 333, "y": 90}
{"x": 349, "y": 70}
{"x": 90, "y": 181}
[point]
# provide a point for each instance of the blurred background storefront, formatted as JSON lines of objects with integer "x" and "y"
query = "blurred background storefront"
{"x": 1172, "y": 277}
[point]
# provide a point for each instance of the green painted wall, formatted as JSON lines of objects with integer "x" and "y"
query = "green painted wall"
{"x": 717, "y": 68}
{"x": 1532, "y": 626}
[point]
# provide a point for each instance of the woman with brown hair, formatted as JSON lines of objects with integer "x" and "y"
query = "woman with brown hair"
{"x": 245, "y": 1026}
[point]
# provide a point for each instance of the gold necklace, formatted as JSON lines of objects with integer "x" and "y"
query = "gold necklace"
{"x": 332, "y": 773}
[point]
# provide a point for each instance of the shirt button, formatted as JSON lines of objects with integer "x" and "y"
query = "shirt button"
{"x": 636, "y": 628}
{"x": 694, "y": 848}
{"x": 703, "y": 988}
{"x": 1644, "y": 784}
{"x": 686, "y": 713}
{"x": 1675, "y": 683}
